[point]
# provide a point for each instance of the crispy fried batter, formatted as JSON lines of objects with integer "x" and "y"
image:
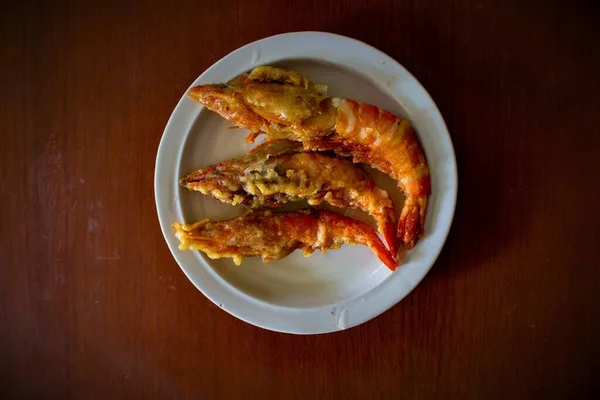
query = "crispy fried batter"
{"x": 284, "y": 106}
{"x": 281, "y": 171}
{"x": 274, "y": 236}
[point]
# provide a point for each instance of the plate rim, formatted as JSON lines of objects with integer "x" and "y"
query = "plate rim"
{"x": 313, "y": 320}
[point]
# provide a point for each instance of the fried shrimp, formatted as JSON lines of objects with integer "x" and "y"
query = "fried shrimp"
{"x": 285, "y": 105}
{"x": 275, "y": 235}
{"x": 281, "y": 171}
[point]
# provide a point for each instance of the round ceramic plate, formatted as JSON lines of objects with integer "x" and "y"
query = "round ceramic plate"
{"x": 325, "y": 292}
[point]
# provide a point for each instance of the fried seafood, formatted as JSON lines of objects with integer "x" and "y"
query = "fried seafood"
{"x": 275, "y": 235}
{"x": 285, "y": 105}
{"x": 280, "y": 171}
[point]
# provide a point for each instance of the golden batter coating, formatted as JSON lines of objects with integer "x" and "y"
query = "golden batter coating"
{"x": 280, "y": 104}
{"x": 275, "y": 235}
{"x": 280, "y": 171}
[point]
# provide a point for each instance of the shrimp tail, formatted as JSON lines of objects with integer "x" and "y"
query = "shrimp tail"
{"x": 356, "y": 231}
{"x": 412, "y": 220}
{"x": 387, "y": 228}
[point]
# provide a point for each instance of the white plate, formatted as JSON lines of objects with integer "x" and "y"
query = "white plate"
{"x": 323, "y": 293}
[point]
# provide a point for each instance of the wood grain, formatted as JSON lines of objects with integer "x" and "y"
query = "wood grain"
{"x": 92, "y": 305}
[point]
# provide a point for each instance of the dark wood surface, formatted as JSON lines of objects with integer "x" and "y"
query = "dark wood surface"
{"x": 92, "y": 305}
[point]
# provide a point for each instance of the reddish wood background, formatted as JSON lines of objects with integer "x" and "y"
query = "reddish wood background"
{"x": 92, "y": 305}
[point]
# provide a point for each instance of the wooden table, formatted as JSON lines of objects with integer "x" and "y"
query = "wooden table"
{"x": 92, "y": 304}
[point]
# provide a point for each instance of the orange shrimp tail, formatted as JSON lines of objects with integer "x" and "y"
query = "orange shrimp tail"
{"x": 361, "y": 233}
{"x": 412, "y": 220}
{"x": 384, "y": 255}
{"x": 388, "y": 230}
